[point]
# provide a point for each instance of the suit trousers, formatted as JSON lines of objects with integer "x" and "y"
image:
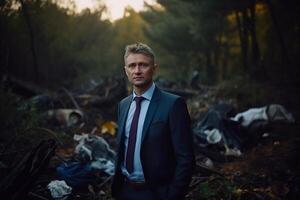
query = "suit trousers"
{"x": 131, "y": 193}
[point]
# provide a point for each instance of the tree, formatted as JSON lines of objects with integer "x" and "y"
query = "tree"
{"x": 32, "y": 40}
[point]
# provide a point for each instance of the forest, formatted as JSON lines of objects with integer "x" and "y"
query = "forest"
{"x": 239, "y": 53}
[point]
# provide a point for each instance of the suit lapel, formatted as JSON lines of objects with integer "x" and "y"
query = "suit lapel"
{"x": 123, "y": 116}
{"x": 151, "y": 111}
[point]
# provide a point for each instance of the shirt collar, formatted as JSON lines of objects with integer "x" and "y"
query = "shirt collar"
{"x": 148, "y": 93}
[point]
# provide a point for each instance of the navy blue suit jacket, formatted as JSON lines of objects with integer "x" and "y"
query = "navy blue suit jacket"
{"x": 166, "y": 150}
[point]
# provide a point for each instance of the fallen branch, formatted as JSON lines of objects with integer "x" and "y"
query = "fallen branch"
{"x": 206, "y": 169}
{"x": 52, "y": 133}
{"x": 72, "y": 98}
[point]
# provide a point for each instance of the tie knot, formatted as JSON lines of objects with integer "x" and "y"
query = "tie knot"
{"x": 138, "y": 99}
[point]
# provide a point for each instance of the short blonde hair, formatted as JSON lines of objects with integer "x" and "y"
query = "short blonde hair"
{"x": 139, "y": 48}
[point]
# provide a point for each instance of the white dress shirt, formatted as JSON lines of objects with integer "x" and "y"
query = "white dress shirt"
{"x": 137, "y": 174}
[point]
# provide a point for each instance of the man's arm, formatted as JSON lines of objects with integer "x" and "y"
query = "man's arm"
{"x": 182, "y": 141}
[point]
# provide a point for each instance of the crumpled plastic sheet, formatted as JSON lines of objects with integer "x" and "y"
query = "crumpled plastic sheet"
{"x": 95, "y": 149}
{"x": 264, "y": 115}
{"x": 103, "y": 164}
{"x": 92, "y": 147}
{"x": 213, "y": 136}
{"x": 59, "y": 189}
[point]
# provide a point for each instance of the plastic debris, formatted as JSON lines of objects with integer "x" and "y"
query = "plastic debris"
{"x": 76, "y": 174}
{"x": 92, "y": 147}
{"x": 104, "y": 164}
{"x": 213, "y": 136}
{"x": 264, "y": 115}
{"x": 59, "y": 189}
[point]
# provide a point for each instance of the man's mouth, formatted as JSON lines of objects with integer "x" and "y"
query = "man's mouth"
{"x": 137, "y": 78}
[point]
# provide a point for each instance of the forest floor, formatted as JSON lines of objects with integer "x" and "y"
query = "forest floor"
{"x": 268, "y": 170}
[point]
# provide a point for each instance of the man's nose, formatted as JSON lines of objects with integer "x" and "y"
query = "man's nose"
{"x": 137, "y": 69}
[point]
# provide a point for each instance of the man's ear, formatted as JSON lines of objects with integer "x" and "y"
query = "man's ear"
{"x": 125, "y": 70}
{"x": 156, "y": 66}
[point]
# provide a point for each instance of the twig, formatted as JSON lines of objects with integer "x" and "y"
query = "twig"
{"x": 72, "y": 98}
{"x": 197, "y": 181}
{"x": 109, "y": 88}
{"x": 48, "y": 131}
{"x": 209, "y": 170}
{"x": 61, "y": 159}
{"x": 13, "y": 152}
{"x": 104, "y": 182}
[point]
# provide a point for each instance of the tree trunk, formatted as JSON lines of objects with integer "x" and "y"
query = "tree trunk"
{"x": 32, "y": 40}
{"x": 225, "y": 62}
{"x": 210, "y": 70}
{"x": 217, "y": 51}
{"x": 255, "y": 48}
{"x": 243, "y": 35}
{"x": 283, "y": 49}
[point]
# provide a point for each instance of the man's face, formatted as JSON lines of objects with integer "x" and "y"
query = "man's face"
{"x": 140, "y": 70}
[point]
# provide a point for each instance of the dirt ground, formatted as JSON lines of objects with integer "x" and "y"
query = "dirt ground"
{"x": 267, "y": 170}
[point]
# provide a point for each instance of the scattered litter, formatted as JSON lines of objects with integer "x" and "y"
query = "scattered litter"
{"x": 109, "y": 127}
{"x": 265, "y": 135}
{"x": 92, "y": 147}
{"x": 256, "y": 117}
{"x": 59, "y": 189}
{"x": 215, "y": 128}
{"x": 232, "y": 152}
{"x": 65, "y": 117}
{"x": 76, "y": 174}
{"x": 208, "y": 163}
{"x": 213, "y": 136}
{"x": 103, "y": 164}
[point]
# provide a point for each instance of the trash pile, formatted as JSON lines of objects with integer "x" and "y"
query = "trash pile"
{"x": 91, "y": 104}
{"x": 81, "y": 124}
{"x": 218, "y": 128}
{"x": 79, "y": 163}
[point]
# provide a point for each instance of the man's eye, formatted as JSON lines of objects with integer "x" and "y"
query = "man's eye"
{"x": 131, "y": 66}
{"x": 144, "y": 64}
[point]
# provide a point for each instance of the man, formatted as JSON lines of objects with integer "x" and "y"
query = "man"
{"x": 155, "y": 156}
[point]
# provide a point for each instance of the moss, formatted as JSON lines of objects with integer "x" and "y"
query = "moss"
{"x": 216, "y": 188}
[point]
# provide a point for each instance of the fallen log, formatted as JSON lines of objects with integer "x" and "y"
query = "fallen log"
{"x": 22, "y": 88}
